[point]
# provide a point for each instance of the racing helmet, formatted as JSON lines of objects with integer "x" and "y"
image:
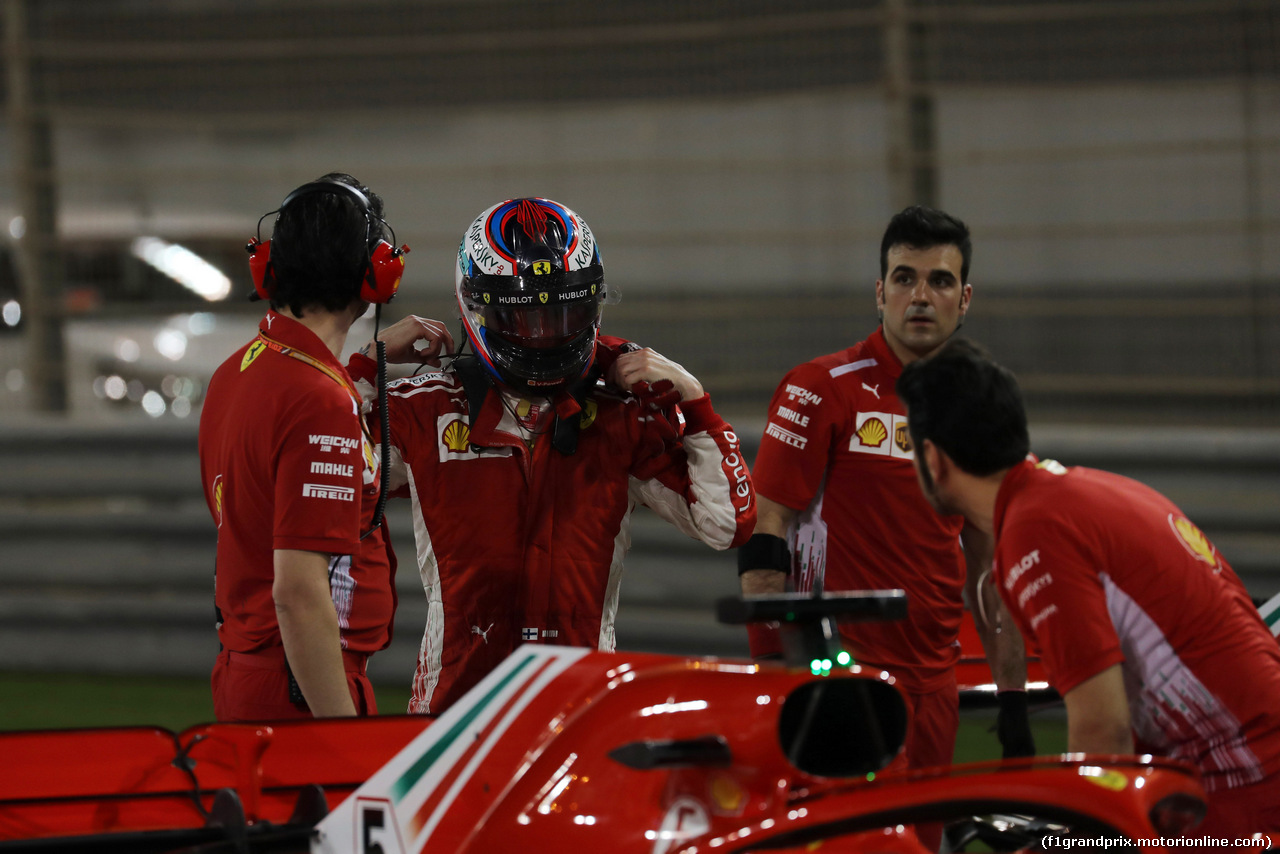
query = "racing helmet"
{"x": 530, "y": 289}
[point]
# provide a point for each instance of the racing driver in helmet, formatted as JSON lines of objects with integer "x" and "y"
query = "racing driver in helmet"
{"x": 526, "y": 458}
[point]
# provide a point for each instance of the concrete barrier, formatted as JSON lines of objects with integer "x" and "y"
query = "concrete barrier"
{"x": 108, "y": 547}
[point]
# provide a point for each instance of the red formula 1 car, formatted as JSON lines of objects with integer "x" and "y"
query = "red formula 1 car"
{"x": 563, "y": 748}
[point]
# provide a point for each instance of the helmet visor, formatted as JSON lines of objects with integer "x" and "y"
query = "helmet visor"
{"x": 544, "y": 325}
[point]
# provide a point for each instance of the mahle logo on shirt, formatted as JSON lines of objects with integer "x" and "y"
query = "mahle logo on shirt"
{"x": 1194, "y": 541}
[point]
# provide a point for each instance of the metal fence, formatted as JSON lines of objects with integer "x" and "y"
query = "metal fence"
{"x": 1118, "y": 161}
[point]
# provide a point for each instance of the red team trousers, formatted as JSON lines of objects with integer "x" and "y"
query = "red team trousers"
{"x": 254, "y": 686}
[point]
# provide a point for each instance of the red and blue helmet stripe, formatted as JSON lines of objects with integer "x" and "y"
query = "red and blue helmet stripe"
{"x": 531, "y": 216}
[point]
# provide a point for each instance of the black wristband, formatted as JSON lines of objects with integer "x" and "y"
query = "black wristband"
{"x": 764, "y": 551}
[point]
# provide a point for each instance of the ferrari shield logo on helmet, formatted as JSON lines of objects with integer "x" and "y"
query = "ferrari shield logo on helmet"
{"x": 542, "y": 297}
{"x": 541, "y": 268}
{"x": 486, "y": 298}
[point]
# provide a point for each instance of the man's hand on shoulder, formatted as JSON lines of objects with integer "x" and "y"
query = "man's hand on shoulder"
{"x": 414, "y": 340}
{"x": 654, "y": 378}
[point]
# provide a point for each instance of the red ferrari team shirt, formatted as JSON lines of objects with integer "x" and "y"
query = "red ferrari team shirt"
{"x": 836, "y": 450}
{"x": 286, "y": 464}
{"x": 1102, "y": 570}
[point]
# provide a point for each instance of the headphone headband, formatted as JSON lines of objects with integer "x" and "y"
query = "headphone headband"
{"x": 385, "y": 263}
{"x": 334, "y": 188}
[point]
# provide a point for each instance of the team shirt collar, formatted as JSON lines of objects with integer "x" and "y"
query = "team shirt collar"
{"x": 291, "y": 333}
{"x": 1012, "y": 484}
{"x": 883, "y": 354}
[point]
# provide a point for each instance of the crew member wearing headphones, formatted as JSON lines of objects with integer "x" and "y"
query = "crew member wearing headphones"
{"x": 304, "y": 588}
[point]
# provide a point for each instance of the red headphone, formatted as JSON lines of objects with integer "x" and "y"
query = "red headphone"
{"x": 383, "y": 268}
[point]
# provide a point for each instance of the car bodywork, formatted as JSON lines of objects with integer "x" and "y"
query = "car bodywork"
{"x": 563, "y": 747}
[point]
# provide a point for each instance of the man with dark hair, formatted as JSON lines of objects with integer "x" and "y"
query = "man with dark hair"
{"x": 303, "y": 585}
{"x": 838, "y": 505}
{"x": 1143, "y": 627}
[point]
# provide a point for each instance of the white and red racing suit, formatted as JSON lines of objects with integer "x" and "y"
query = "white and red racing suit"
{"x": 522, "y": 542}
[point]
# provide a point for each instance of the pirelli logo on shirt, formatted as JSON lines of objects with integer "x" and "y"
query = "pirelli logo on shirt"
{"x": 328, "y": 492}
{"x": 883, "y": 434}
{"x": 785, "y": 436}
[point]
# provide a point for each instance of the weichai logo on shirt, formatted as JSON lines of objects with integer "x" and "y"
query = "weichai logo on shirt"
{"x": 329, "y": 443}
{"x": 802, "y": 396}
{"x": 1194, "y": 541}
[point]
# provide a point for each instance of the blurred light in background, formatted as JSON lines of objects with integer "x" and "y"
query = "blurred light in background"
{"x": 171, "y": 344}
{"x": 153, "y": 404}
{"x": 127, "y": 350}
{"x": 17, "y": 227}
{"x": 114, "y": 387}
{"x": 12, "y": 313}
{"x": 184, "y": 267}
{"x": 202, "y": 323}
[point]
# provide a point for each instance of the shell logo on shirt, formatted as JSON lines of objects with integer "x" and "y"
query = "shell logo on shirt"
{"x": 873, "y": 429}
{"x": 872, "y": 432}
{"x": 457, "y": 436}
{"x": 1194, "y": 541}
